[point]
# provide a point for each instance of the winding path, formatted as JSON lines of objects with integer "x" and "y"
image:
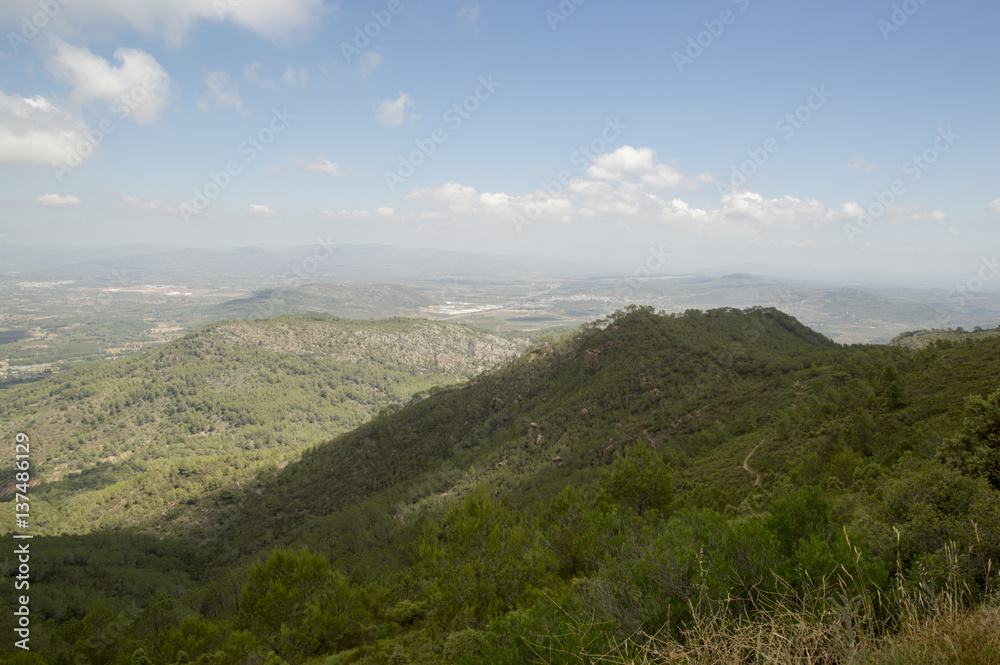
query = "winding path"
{"x": 746, "y": 465}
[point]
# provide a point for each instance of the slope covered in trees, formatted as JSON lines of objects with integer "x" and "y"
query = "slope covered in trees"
{"x": 652, "y": 488}
{"x": 133, "y": 441}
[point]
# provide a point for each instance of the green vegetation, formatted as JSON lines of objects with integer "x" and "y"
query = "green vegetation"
{"x": 923, "y": 338}
{"x": 695, "y": 488}
{"x": 137, "y": 442}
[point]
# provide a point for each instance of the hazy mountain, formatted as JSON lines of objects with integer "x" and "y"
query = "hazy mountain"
{"x": 344, "y": 300}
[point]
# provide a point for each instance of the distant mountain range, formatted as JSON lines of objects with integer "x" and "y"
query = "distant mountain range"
{"x": 495, "y": 292}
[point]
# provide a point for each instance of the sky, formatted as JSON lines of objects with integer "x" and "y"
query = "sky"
{"x": 860, "y": 134}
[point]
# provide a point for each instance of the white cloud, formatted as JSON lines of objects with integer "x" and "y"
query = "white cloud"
{"x": 785, "y": 213}
{"x": 744, "y": 214}
{"x": 369, "y": 62}
{"x": 995, "y": 205}
{"x": 385, "y": 211}
{"x": 139, "y": 88}
{"x": 293, "y": 78}
{"x": 464, "y": 203}
{"x": 859, "y": 163}
{"x": 172, "y": 19}
{"x": 623, "y": 188}
{"x": 221, "y": 93}
{"x": 319, "y": 164}
{"x": 58, "y": 200}
{"x": 454, "y": 197}
{"x": 622, "y": 162}
{"x": 258, "y": 209}
{"x": 628, "y": 161}
{"x": 252, "y": 74}
{"x": 664, "y": 176}
{"x": 35, "y": 131}
{"x": 392, "y": 112}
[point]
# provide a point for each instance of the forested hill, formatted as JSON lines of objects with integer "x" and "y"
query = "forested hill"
{"x": 689, "y": 381}
{"x": 650, "y": 488}
{"x": 126, "y": 442}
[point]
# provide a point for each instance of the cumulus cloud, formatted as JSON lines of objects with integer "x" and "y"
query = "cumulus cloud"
{"x": 319, "y": 164}
{"x": 171, "y": 20}
{"x": 995, "y": 205}
{"x": 58, "y": 200}
{"x": 625, "y": 188}
{"x": 221, "y": 93}
{"x": 393, "y": 112}
{"x": 463, "y": 202}
{"x": 628, "y": 161}
{"x": 744, "y": 214}
{"x": 33, "y": 130}
{"x": 139, "y": 88}
{"x": 787, "y": 212}
{"x": 258, "y": 209}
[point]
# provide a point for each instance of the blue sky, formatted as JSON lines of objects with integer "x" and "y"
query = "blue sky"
{"x": 728, "y": 131}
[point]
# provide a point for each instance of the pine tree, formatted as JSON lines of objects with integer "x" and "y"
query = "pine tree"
{"x": 975, "y": 449}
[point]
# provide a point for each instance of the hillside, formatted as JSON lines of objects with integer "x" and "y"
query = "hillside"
{"x": 641, "y": 487}
{"x": 576, "y": 402}
{"x": 921, "y": 339}
{"x": 118, "y": 443}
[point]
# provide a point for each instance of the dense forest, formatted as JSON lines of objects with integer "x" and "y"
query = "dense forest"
{"x": 693, "y": 488}
{"x": 136, "y": 442}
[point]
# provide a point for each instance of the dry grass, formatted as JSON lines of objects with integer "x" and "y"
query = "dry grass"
{"x": 969, "y": 637}
{"x": 826, "y": 627}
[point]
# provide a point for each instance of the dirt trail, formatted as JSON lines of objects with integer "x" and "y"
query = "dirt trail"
{"x": 746, "y": 465}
